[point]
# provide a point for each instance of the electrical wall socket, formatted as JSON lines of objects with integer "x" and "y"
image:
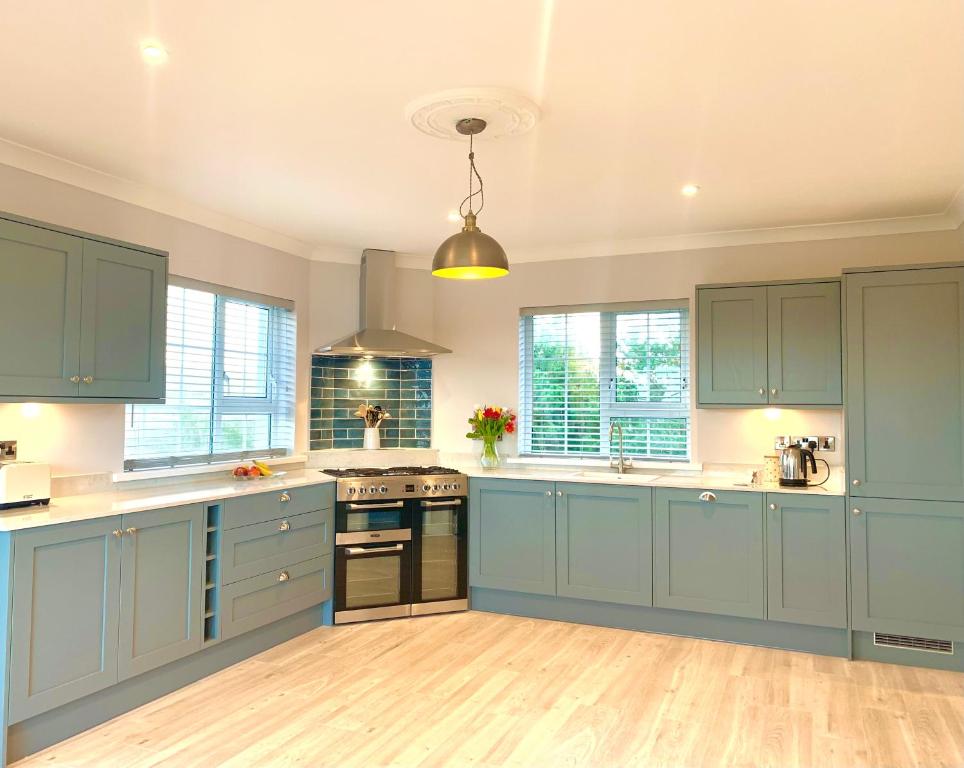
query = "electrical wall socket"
{"x": 8, "y": 450}
{"x": 826, "y": 443}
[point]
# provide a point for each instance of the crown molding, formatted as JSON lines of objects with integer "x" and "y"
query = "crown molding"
{"x": 68, "y": 172}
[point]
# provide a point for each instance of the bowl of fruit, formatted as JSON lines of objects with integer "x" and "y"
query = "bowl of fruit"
{"x": 257, "y": 471}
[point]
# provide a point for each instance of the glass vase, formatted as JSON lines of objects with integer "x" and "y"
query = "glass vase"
{"x": 490, "y": 454}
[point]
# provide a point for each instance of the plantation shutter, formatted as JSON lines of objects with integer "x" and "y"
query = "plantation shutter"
{"x": 585, "y": 368}
{"x": 230, "y": 390}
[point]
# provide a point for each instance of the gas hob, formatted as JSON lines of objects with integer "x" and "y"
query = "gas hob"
{"x": 393, "y": 483}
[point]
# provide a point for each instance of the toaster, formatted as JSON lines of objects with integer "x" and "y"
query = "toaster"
{"x": 24, "y": 483}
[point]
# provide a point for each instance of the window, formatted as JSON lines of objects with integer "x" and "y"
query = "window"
{"x": 582, "y": 369}
{"x": 230, "y": 382}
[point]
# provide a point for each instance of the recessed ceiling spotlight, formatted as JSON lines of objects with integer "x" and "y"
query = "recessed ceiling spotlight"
{"x": 153, "y": 53}
{"x": 691, "y": 190}
{"x": 454, "y": 216}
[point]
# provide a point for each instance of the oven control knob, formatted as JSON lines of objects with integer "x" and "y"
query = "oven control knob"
{"x": 361, "y": 490}
{"x": 383, "y": 489}
{"x": 426, "y": 488}
{"x": 435, "y": 488}
{"x": 351, "y": 491}
{"x": 455, "y": 486}
{"x": 373, "y": 489}
{"x": 446, "y": 487}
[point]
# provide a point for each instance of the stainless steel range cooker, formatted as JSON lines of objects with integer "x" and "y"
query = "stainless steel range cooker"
{"x": 400, "y": 542}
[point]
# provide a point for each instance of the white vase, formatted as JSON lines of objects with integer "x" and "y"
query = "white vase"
{"x": 373, "y": 438}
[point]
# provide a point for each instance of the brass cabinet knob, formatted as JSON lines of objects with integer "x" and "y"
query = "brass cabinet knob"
{"x": 773, "y": 391}
{"x": 285, "y": 497}
{"x": 117, "y": 533}
{"x": 855, "y": 482}
{"x": 88, "y": 379}
{"x": 762, "y": 391}
{"x": 857, "y": 512}
{"x": 548, "y": 493}
{"x": 75, "y": 379}
{"x": 284, "y": 576}
{"x": 284, "y": 525}
{"x": 131, "y": 531}
{"x": 559, "y": 494}
{"x": 773, "y": 506}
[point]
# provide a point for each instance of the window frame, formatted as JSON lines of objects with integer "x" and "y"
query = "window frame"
{"x": 609, "y": 407}
{"x": 274, "y": 403}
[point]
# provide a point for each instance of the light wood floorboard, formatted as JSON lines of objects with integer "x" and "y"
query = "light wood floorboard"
{"x": 478, "y": 689}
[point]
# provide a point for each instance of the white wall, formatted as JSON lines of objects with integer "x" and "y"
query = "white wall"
{"x": 90, "y": 438}
{"x": 479, "y": 321}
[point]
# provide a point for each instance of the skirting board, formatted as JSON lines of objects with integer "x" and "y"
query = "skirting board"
{"x": 52, "y": 727}
{"x": 771, "y": 634}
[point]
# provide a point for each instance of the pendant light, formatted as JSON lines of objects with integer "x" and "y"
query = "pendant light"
{"x": 470, "y": 254}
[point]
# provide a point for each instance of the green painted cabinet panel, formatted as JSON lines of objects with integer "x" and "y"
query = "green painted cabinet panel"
{"x": 40, "y": 292}
{"x": 708, "y": 551}
{"x": 807, "y": 559}
{"x": 905, "y": 384}
{"x": 512, "y": 535}
{"x": 907, "y": 567}
{"x": 162, "y": 587}
{"x": 732, "y": 345}
{"x": 604, "y": 542}
{"x": 803, "y": 344}
{"x": 66, "y": 580}
{"x": 123, "y": 322}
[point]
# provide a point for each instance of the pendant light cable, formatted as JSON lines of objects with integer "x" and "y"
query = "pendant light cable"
{"x": 473, "y": 171}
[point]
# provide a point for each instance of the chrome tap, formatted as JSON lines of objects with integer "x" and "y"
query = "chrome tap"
{"x": 622, "y": 463}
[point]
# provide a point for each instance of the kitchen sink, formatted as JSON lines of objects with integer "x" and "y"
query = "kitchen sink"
{"x": 612, "y": 475}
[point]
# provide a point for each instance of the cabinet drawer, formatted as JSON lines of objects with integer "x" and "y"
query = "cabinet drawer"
{"x": 255, "y": 549}
{"x": 252, "y": 603}
{"x": 274, "y": 505}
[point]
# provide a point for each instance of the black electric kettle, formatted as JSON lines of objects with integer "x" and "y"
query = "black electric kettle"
{"x": 793, "y": 466}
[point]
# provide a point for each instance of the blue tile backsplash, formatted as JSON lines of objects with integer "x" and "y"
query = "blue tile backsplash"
{"x": 340, "y": 384}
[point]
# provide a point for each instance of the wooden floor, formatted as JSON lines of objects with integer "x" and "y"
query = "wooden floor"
{"x": 485, "y": 690}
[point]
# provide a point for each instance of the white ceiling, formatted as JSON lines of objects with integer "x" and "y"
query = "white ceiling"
{"x": 291, "y": 115}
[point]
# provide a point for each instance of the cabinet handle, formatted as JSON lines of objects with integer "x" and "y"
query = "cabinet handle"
{"x": 559, "y": 494}
{"x": 773, "y": 391}
{"x": 773, "y": 506}
{"x": 131, "y": 531}
{"x": 284, "y": 525}
{"x": 285, "y": 497}
{"x": 548, "y": 493}
{"x": 857, "y": 512}
{"x": 88, "y": 379}
{"x": 284, "y": 576}
{"x": 117, "y": 533}
{"x": 74, "y": 379}
{"x": 707, "y": 496}
{"x": 855, "y": 482}
{"x": 762, "y": 391}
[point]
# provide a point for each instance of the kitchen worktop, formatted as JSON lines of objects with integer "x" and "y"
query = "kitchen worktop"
{"x": 121, "y": 501}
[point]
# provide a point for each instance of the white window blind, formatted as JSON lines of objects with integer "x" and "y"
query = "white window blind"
{"x": 230, "y": 390}
{"x": 582, "y": 369}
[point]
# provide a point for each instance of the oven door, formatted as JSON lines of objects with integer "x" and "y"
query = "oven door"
{"x": 439, "y": 567}
{"x": 374, "y": 580}
{"x": 360, "y": 516}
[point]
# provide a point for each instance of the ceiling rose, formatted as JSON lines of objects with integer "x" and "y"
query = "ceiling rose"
{"x": 506, "y": 113}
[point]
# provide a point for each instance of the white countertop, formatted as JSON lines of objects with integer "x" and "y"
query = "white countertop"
{"x": 71, "y": 509}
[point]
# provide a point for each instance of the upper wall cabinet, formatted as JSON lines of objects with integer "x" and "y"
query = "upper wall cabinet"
{"x": 905, "y": 383}
{"x": 769, "y": 345}
{"x": 82, "y": 318}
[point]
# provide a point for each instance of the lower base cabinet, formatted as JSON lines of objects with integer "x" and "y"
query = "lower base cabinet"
{"x": 907, "y": 567}
{"x": 604, "y": 542}
{"x": 708, "y": 551}
{"x": 807, "y": 559}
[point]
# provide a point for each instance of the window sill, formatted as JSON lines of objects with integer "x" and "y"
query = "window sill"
{"x": 201, "y": 469}
{"x": 542, "y": 461}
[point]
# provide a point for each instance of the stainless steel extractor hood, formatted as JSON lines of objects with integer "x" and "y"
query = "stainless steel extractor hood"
{"x": 377, "y": 336}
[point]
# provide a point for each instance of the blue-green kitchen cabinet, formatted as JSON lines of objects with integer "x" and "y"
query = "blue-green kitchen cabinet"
{"x": 604, "y": 542}
{"x": 86, "y": 318}
{"x": 99, "y": 601}
{"x": 907, "y": 567}
{"x": 708, "y": 551}
{"x": 806, "y": 557}
{"x": 774, "y": 344}
{"x": 905, "y": 383}
{"x": 512, "y": 535}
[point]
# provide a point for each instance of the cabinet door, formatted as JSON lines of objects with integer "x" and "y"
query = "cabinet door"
{"x": 512, "y": 535}
{"x": 124, "y": 322}
{"x": 40, "y": 295}
{"x": 905, "y": 384}
{"x": 66, "y": 580}
{"x": 807, "y": 559}
{"x": 162, "y": 588}
{"x": 803, "y": 344}
{"x": 907, "y": 567}
{"x": 732, "y": 346}
{"x": 709, "y": 553}
{"x": 604, "y": 542}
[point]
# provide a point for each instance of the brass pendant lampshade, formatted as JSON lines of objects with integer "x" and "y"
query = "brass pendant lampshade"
{"x": 470, "y": 254}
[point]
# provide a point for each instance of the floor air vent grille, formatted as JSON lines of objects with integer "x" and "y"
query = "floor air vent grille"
{"x": 914, "y": 643}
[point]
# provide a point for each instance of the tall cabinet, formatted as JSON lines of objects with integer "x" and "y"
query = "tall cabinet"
{"x": 905, "y": 428}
